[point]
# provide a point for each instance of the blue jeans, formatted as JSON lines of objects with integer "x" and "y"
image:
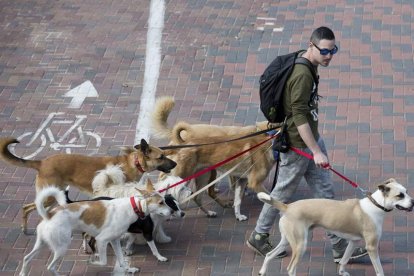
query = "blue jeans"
{"x": 291, "y": 170}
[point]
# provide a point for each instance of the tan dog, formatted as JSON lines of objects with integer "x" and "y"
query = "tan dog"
{"x": 190, "y": 160}
{"x": 77, "y": 170}
{"x": 352, "y": 219}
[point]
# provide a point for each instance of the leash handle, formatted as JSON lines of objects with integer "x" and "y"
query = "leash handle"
{"x": 203, "y": 171}
{"x": 309, "y": 156}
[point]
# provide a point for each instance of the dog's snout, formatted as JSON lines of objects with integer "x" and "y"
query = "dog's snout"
{"x": 167, "y": 167}
{"x": 182, "y": 214}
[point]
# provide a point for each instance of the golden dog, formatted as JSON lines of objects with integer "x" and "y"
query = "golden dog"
{"x": 190, "y": 160}
{"x": 77, "y": 170}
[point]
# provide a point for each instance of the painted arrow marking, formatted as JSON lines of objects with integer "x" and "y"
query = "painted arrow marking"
{"x": 80, "y": 93}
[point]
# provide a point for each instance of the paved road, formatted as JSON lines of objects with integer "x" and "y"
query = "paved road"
{"x": 212, "y": 55}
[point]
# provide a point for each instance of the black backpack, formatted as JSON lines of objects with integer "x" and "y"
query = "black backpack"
{"x": 273, "y": 81}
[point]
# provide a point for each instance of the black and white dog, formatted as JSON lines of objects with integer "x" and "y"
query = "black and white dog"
{"x": 143, "y": 225}
{"x": 111, "y": 182}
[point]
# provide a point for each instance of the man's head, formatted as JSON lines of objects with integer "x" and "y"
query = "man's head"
{"x": 322, "y": 46}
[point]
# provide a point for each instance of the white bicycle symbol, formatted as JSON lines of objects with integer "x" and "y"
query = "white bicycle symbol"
{"x": 44, "y": 134}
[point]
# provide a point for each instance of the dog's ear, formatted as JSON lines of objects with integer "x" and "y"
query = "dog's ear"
{"x": 126, "y": 150}
{"x": 143, "y": 147}
{"x": 150, "y": 186}
{"x": 142, "y": 192}
{"x": 384, "y": 188}
{"x": 391, "y": 180}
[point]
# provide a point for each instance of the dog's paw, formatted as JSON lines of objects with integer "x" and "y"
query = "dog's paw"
{"x": 264, "y": 197}
{"x": 162, "y": 259}
{"x": 342, "y": 271}
{"x": 128, "y": 252}
{"x": 211, "y": 214}
{"x": 132, "y": 270}
{"x": 95, "y": 262}
{"x": 228, "y": 204}
{"x": 87, "y": 250}
{"x": 241, "y": 217}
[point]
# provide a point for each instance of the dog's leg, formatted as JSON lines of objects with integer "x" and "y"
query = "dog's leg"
{"x": 59, "y": 252}
{"x": 272, "y": 254}
{"x": 88, "y": 243}
{"x": 130, "y": 238}
{"x": 155, "y": 252}
{"x": 296, "y": 232}
{"x": 116, "y": 246}
{"x": 199, "y": 183}
{"x": 372, "y": 248}
{"x": 28, "y": 258}
{"x": 212, "y": 192}
{"x": 238, "y": 196}
{"x": 101, "y": 245}
{"x": 345, "y": 258}
{"x": 27, "y": 209}
{"x": 159, "y": 233}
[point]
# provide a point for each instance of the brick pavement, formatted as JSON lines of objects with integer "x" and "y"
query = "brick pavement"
{"x": 212, "y": 55}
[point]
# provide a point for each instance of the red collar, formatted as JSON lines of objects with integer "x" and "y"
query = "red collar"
{"x": 137, "y": 209}
{"x": 138, "y": 165}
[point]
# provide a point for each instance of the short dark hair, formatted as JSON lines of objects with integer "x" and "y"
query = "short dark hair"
{"x": 322, "y": 33}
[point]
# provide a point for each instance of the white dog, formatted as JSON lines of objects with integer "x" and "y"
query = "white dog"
{"x": 106, "y": 220}
{"x": 352, "y": 219}
{"x": 111, "y": 182}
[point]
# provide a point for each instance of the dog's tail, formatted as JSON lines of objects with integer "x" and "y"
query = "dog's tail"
{"x": 43, "y": 195}
{"x": 8, "y": 157}
{"x": 111, "y": 175}
{"x": 162, "y": 109}
{"x": 180, "y": 132}
{"x": 266, "y": 198}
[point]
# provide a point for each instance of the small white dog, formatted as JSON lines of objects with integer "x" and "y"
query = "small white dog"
{"x": 111, "y": 182}
{"x": 106, "y": 220}
{"x": 352, "y": 219}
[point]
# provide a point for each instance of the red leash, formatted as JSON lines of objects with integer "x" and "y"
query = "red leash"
{"x": 203, "y": 171}
{"x": 307, "y": 155}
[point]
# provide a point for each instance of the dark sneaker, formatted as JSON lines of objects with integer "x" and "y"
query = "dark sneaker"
{"x": 338, "y": 251}
{"x": 259, "y": 242}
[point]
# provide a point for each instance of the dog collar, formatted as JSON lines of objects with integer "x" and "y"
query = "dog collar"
{"x": 137, "y": 209}
{"x": 376, "y": 203}
{"x": 138, "y": 165}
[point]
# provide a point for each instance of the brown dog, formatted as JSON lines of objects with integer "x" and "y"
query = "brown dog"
{"x": 190, "y": 160}
{"x": 77, "y": 170}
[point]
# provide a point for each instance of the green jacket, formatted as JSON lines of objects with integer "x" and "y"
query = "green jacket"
{"x": 297, "y": 102}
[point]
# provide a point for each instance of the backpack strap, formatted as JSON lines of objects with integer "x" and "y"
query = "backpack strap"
{"x": 305, "y": 61}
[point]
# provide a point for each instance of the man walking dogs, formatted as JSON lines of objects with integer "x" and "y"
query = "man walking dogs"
{"x": 300, "y": 101}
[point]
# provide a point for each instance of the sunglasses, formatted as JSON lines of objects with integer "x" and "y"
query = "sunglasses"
{"x": 325, "y": 51}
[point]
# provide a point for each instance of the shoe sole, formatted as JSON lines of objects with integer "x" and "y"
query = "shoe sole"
{"x": 253, "y": 248}
{"x": 337, "y": 260}
{"x": 249, "y": 245}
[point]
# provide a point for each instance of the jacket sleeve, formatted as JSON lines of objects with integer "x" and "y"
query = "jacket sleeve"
{"x": 300, "y": 86}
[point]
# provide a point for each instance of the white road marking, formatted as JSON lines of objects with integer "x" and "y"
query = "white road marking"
{"x": 152, "y": 68}
{"x": 74, "y": 137}
{"x": 80, "y": 93}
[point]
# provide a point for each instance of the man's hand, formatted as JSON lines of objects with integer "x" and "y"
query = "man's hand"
{"x": 321, "y": 160}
